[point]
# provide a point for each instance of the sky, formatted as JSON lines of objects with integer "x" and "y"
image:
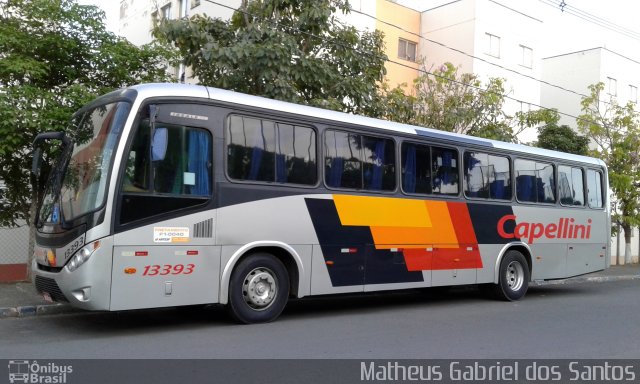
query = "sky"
{"x": 565, "y": 32}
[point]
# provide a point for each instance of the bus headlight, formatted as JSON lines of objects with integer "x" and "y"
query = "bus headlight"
{"x": 82, "y": 256}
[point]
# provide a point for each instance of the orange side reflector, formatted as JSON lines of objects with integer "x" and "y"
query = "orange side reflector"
{"x": 130, "y": 271}
{"x": 329, "y": 262}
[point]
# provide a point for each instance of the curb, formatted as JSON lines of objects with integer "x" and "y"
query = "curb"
{"x": 36, "y": 310}
{"x": 592, "y": 279}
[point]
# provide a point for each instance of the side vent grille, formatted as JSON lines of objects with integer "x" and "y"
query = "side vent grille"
{"x": 203, "y": 229}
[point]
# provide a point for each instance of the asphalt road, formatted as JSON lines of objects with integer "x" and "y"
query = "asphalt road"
{"x": 586, "y": 320}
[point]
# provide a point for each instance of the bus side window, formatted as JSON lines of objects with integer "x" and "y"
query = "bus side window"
{"x": 594, "y": 188}
{"x": 416, "y": 172}
{"x": 153, "y": 185}
{"x": 268, "y": 151}
{"x": 570, "y": 186}
{"x": 186, "y": 166}
{"x": 359, "y": 162}
{"x": 136, "y": 170}
{"x": 444, "y": 171}
{"x": 487, "y": 176}
{"x": 535, "y": 181}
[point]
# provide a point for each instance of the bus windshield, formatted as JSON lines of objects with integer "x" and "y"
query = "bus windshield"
{"x": 78, "y": 182}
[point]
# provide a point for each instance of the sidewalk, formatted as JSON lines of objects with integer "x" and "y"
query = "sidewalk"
{"x": 22, "y": 300}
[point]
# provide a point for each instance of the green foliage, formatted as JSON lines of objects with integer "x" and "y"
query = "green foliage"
{"x": 562, "y": 138}
{"x": 615, "y": 130}
{"x": 459, "y": 102}
{"x": 55, "y": 56}
{"x": 284, "y": 49}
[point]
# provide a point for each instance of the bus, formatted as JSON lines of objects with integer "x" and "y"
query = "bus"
{"x": 171, "y": 194}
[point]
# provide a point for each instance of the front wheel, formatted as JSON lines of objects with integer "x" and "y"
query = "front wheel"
{"x": 258, "y": 289}
{"x": 513, "y": 277}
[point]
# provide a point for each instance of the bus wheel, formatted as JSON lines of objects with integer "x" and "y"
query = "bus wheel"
{"x": 259, "y": 289}
{"x": 513, "y": 277}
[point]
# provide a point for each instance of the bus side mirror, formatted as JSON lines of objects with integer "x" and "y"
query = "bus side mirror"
{"x": 159, "y": 144}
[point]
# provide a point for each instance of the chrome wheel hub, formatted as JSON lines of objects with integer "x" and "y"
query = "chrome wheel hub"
{"x": 259, "y": 288}
{"x": 515, "y": 275}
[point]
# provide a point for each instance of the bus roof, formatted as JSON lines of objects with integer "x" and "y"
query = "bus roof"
{"x": 198, "y": 91}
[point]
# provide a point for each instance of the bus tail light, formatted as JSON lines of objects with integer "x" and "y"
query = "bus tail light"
{"x": 82, "y": 256}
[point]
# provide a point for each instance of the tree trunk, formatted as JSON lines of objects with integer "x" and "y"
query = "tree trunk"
{"x": 32, "y": 234}
{"x": 627, "y": 243}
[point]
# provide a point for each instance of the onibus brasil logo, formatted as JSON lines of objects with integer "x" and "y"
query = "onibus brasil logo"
{"x": 25, "y": 371}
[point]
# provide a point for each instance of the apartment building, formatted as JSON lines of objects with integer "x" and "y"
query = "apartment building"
{"x": 575, "y": 71}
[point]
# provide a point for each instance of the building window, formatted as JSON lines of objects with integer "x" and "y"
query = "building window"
{"x": 183, "y": 6}
{"x": 407, "y": 49}
{"x": 633, "y": 94}
{"x": 493, "y": 45}
{"x": 166, "y": 12}
{"x": 526, "y": 59}
{"x": 612, "y": 86}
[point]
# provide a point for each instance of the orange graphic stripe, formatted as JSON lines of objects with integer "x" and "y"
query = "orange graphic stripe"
{"x": 369, "y": 211}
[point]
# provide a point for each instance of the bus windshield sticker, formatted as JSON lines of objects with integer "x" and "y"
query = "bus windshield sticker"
{"x": 170, "y": 234}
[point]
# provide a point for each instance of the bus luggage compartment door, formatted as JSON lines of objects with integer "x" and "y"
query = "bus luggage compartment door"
{"x": 164, "y": 276}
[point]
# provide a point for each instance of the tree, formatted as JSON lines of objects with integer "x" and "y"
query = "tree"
{"x": 459, "y": 102}
{"x": 55, "y": 56}
{"x": 289, "y": 50}
{"x": 615, "y": 131}
{"x": 562, "y": 138}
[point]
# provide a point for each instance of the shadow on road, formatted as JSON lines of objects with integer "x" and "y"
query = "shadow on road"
{"x": 150, "y": 321}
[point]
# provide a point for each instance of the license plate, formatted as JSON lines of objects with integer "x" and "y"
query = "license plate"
{"x": 47, "y": 297}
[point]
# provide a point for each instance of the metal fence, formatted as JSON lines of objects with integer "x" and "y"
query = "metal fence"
{"x": 14, "y": 244}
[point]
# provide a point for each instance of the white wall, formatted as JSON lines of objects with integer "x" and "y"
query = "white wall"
{"x": 452, "y": 24}
{"x": 136, "y": 22}
{"x": 463, "y": 25}
{"x": 360, "y": 19}
{"x": 573, "y": 71}
{"x": 625, "y": 70}
{"x": 577, "y": 70}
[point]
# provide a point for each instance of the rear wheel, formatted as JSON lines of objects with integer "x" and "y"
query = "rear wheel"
{"x": 258, "y": 289}
{"x": 513, "y": 277}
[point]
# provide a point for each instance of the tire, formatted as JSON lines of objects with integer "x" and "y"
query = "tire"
{"x": 258, "y": 289}
{"x": 513, "y": 277}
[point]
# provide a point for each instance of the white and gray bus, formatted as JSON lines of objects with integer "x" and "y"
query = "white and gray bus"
{"x": 169, "y": 195}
